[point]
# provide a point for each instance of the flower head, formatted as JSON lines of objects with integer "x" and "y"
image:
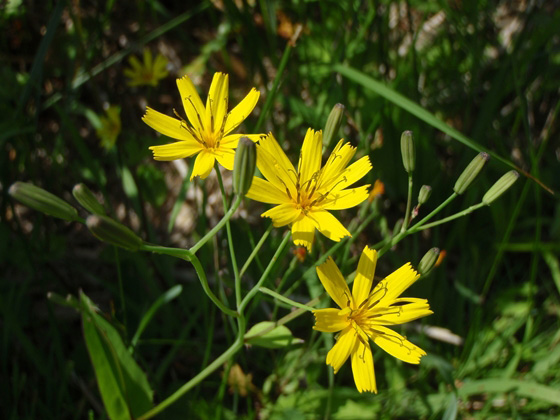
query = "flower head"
{"x": 304, "y": 197}
{"x": 148, "y": 72}
{"x": 109, "y": 127}
{"x": 365, "y": 314}
{"x": 208, "y": 129}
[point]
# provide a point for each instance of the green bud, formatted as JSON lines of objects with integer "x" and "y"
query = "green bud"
{"x": 428, "y": 261}
{"x": 85, "y": 197}
{"x": 244, "y": 166}
{"x": 424, "y": 194}
{"x": 43, "y": 201}
{"x": 500, "y": 187}
{"x": 407, "y": 151}
{"x": 471, "y": 172}
{"x": 108, "y": 230}
{"x": 333, "y": 125}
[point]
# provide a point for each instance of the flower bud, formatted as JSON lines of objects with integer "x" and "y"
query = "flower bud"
{"x": 244, "y": 166}
{"x": 333, "y": 125}
{"x": 43, "y": 201}
{"x": 471, "y": 172}
{"x": 424, "y": 194}
{"x": 108, "y": 230}
{"x": 428, "y": 261}
{"x": 500, "y": 187}
{"x": 85, "y": 197}
{"x": 407, "y": 151}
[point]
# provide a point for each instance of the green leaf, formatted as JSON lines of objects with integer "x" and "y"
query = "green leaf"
{"x": 266, "y": 334}
{"x": 124, "y": 387}
{"x": 522, "y": 388}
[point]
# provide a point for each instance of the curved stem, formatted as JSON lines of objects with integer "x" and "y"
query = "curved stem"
{"x": 255, "y": 250}
{"x": 408, "y": 203}
{"x": 448, "y": 219}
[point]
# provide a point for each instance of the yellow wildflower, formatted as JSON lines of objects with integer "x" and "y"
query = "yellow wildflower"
{"x": 209, "y": 128}
{"x": 364, "y": 315}
{"x": 303, "y": 197}
{"x": 149, "y": 72}
{"x": 377, "y": 191}
{"x": 109, "y": 127}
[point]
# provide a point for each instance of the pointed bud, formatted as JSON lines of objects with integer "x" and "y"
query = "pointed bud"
{"x": 43, "y": 201}
{"x": 85, "y": 197}
{"x": 244, "y": 166}
{"x": 500, "y": 187}
{"x": 407, "y": 151}
{"x": 111, "y": 231}
{"x": 333, "y": 125}
{"x": 424, "y": 194}
{"x": 471, "y": 172}
{"x": 428, "y": 261}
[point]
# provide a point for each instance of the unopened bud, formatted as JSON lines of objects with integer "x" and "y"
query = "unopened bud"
{"x": 244, "y": 166}
{"x": 428, "y": 261}
{"x": 471, "y": 172}
{"x": 500, "y": 187}
{"x": 407, "y": 151}
{"x": 85, "y": 197}
{"x": 333, "y": 125}
{"x": 108, "y": 230}
{"x": 424, "y": 194}
{"x": 43, "y": 201}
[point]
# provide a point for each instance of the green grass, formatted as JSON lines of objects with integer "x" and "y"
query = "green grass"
{"x": 460, "y": 88}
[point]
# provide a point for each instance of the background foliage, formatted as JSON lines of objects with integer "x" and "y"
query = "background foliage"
{"x": 488, "y": 69}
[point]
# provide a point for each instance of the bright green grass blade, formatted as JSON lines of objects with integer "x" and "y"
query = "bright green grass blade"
{"x": 167, "y": 297}
{"x": 124, "y": 387}
{"x": 521, "y": 388}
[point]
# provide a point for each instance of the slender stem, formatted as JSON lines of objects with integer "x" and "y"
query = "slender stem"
{"x": 284, "y": 299}
{"x": 408, "y": 204}
{"x": 218, "y": 226}
{"x": 121, "y": 289}
{"x": 231, "y": 247}
{"x": 255, "y": 250}
{"x": 264, "y": 276}
{"x": 448, "y": 219}
{"x": 437, "y": 210}
{"x": 187, "y": 255}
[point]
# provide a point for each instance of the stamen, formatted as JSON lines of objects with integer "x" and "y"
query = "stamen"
{"x": 195, "y": 111}
{"x": 188, "y": 128}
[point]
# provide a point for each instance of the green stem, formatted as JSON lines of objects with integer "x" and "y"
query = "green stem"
{"x": 264, "y": 276}
{"x": 218, "y": 226}
{"x": 192, "y": 258}
{"x": 231, "y": 247}
{"x": 448, "y": 219}
{"x": 121, "y": 289}
{"x": 437, "y": 210}
{"x": 284, "y": 299}
{"x": 255, "y": 250}
{"x": 408, "y": 204}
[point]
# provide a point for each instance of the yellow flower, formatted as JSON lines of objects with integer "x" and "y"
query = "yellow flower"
{"x": 109, "y": 127}
{"x": 303, "y": 197}
{"x": 364, "y": 315}
{"x": 209, "y": 128}
{"x": 148, "y": 72}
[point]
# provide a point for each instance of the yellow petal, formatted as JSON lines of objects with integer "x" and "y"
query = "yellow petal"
{"x": 364, "y": 275}
{"x": 177, "y": 150}
{"x": 329, "y": 320}
{"x": 225, "y": 157}
{"x": 303, "y": 232}
{"x": 353, "y": 173}
{"x": 362, "y": 368}
{"x": 238, "y": 114}
{"x": 346, "y": 199}
{"x": 396, "y": 283}
{"x": 194, "y": 107}
{"x": 400, "y": 314}
{"x": 334, "y": 283}
{"x": 263, "y": 191}
{"x": 329, "y": 225}
{"x": 203, "y": 165}
{"x": 275, "y": 165}
{"x": 216, "y": 102}
{"x": 342, "y": 348}
{"x": 336, "y": 163}
{"x": 283, "y": 214}
{"x": 168, "y": 126}
{"x": 232, "y": 140}
{"x": 310, "y": 157}
{"x": 396, "y": 345}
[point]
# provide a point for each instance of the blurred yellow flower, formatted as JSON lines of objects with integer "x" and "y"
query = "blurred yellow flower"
{"x": 303, "y": 197}
{"x": 149, "y": 72}
{"x": 207, "y": 130}
{"x": 364, "y": 315}
{"x": 377, "y": 191}
{"x": 109, "y": 127}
